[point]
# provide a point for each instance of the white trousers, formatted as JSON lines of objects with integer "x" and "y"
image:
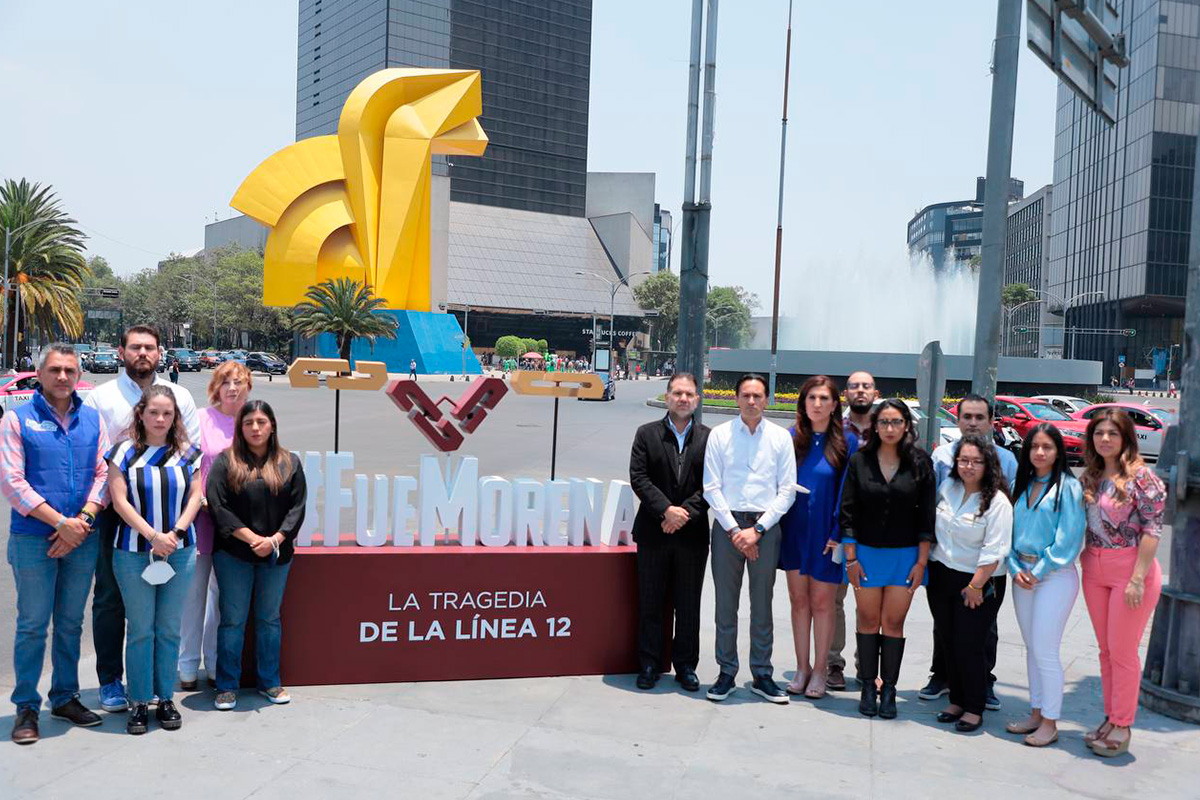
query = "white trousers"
{"x": 201, "y": 616}
{"x": 1042, "y": 614}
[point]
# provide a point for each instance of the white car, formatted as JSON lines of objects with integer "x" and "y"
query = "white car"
{"x": 948, "y": 432}
{"x": 1064, "y": 403}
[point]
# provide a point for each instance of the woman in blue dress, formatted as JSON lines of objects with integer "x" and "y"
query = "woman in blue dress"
{"x": 807, "y": 550}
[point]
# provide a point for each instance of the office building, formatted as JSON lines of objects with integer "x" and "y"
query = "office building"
{"x": 663, "y": 234}
{"x": 1030, "y": 330}
{"x": 1122, "y": 197}
{"x": 951, "y": 234}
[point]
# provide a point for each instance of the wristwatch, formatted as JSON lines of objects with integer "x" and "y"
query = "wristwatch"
{"x": 759, "y": 529}
{"x": 89, "y": 518}
{"x": 180, "y": 533}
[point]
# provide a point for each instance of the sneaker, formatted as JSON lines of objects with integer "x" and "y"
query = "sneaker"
{"x": 992, "y": 703}
{"x": 768, "y": 689}
{"x": 722, "y": 688}
{"x": 76, "y": 713}
{"x": 112, "y": 697}
{"x": 139, "y": 719}
{"x": 226, "y": 701}
{"x": 277, "y": 695}
{"x": 937, "y": 687}
{"x": 25, "y": 726}
{"x": 168, "y": 717}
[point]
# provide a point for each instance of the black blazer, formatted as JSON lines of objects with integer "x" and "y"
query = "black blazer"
{"x": 661, "y": 478}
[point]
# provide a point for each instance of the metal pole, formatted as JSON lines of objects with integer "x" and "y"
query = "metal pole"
{"x": 693, "y": 112}
{"x": 4, "y": 332}
{"x": 466, "y": 316}
{"x": 787, "y": 67}
{"x": 612, "y": 324}
{"x": 710, "y": 100}
{"x": 337, "y": 417}
{"x": 995, "y": 201}
{"x": 16, "y": 323}
{"x": 554, "y": 441}
{"x": 594, "y": 342}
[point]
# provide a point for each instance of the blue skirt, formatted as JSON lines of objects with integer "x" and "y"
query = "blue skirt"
{"x": 887, "y": 566}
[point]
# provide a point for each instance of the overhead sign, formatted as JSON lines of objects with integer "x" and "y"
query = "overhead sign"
{"x": 1081, "y": 42}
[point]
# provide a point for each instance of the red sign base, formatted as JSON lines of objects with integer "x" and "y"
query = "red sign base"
{"x": 380, "y": 615}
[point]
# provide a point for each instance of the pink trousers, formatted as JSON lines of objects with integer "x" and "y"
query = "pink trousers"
{"x": 1119, "y": 628}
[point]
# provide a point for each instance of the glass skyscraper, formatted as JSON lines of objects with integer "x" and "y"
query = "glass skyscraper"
{"x": 535, "y": 57}
{"x": 1122, "y": 195}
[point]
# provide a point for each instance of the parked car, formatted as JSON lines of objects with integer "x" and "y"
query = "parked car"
{"x": 1149, "y": 422}
{"x": 233, "y": 355}
{"x": 266, "y": 362}
{"x": 610, "y": 388}
{"x": 18, "y": 389}
{"x": 210, "y": 359}
{"x": 1064, "y": 403}
{"x": 104, "y": 361}
{"x": 1022, "y": 413}
{"x": 186, "y": 359}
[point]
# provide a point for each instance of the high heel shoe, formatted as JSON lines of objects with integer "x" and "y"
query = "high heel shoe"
{"x": 1101, "y": 731}
{"x": 1109, "y": 748}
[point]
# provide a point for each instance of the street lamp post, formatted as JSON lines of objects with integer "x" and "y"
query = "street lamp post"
{"x": 1067, "y": 306}
{"x": 613, "y": 286}
{"x": 716, "y": 326}
{"x": 8, "y": 234}
{"x": 1008, "y": 322}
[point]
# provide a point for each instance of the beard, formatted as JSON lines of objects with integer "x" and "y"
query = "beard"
{"x": 139, "y": 368}
{"x": 861, "y": 408}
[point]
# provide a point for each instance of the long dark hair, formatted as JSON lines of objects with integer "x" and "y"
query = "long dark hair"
{"x": 835, "y": 438}
{"x": 993, "y": 481}
{"x": 909, "y": 452}
{"x": 177, "y": 440}
{"x": 1129, "y": 459}
{"x": 274, "y": 468}
{"x": 1026, "y": 472}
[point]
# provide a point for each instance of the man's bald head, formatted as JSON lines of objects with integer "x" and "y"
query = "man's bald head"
{"x": 861, "y": 391}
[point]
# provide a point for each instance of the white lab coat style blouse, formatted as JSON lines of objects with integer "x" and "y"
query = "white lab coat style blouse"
{"x": 966, "y": 539}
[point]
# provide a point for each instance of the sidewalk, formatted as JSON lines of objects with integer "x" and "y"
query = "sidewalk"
{"x": 598, "y": 737}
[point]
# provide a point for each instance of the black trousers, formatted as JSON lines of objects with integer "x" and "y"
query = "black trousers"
{"x": 670, "y": 568}
{"x": 937, "y": 667}
{"x": 963, "y": 632}
{"x": 108, "y": 607}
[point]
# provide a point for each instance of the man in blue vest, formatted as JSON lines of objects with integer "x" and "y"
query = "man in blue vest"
{"x": 51, "y": 471}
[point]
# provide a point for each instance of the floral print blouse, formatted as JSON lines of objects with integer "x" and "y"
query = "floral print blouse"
{"x": 1113, "y": 523}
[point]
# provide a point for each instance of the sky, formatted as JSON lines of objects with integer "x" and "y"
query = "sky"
{"x": 145, "y": 116}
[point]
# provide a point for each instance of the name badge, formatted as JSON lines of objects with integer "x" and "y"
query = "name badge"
{"x": 42, "y": 427}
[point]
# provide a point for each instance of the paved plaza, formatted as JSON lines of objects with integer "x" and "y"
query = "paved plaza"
{"x": 579, "y": 737}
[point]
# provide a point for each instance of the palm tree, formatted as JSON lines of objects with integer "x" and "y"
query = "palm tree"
{"x": 343, "y": 307}
{"x": 45, "y": 260}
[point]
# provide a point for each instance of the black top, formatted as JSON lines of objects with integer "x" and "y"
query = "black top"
{"x": 882, "y": 514}
{"x": 254, "y": 507}
{"x": 661, "y": 476}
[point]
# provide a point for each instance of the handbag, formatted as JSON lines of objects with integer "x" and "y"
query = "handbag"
{"x": 158, "y": 572}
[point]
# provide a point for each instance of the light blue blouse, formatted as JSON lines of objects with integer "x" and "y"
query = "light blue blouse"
{"x": 1055, "y": 537}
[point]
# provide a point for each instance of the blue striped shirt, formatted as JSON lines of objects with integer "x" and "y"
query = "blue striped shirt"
{"x": 157, "y": 481}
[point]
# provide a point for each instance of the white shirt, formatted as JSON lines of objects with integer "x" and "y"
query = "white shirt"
{"x": 746, "y": 471}
{"x": 943, "y": 463}
{"x": 116, "y": 398}
{"x": 965, "y": 539}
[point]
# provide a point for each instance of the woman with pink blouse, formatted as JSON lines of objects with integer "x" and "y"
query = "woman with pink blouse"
{"x": 227, "y": 392}
{"x": 1121, "y": 577}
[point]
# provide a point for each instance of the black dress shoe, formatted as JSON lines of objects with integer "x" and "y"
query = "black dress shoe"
{"x": 168, "y": 717}
{"x": 139, "y": 719}
{"x": 962, "y": 726}
{"x": 76, "y": 713}
{"x": 686, "y": 677}
{"x": 945, "y": 717}
{"x": 25, "y": 726}
{"x": 647, "y": 678}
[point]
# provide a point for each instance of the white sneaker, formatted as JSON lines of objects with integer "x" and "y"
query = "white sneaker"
{"x": 226, "y": 701}
{"x": 277, "y": 695}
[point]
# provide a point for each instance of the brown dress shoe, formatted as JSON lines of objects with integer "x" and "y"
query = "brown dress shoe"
{"x": 25, "y": 727}
{"x": 835, "y": 679}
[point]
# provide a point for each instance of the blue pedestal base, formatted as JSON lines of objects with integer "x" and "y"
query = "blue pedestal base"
{"x": 432, "y": 339}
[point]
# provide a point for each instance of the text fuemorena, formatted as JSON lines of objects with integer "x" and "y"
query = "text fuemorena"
{"x": 455, "y": 501}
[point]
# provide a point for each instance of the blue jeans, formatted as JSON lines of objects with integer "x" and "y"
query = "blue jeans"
{"x": 153, "y": 615}
{"x": 49, "y": 588}
{"x": 239, "y": 581}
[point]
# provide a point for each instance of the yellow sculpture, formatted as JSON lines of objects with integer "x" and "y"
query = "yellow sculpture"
{"x": 356, "y": 204}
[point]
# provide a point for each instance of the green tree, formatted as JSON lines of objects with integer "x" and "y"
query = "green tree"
{"x": 542, "y": 345}
{"x": 528, "y": 345}
{"x": 345, "y": 308}
{"x": 1016, "y": 293}
{"x": 660, "y": 292}
{"x": 509, "y": 347}
{"x": 45, "y": 261}
{"x": 728, "y": 316}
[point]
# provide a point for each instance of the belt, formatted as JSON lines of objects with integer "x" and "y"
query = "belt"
{"x": 1028, "y": 559}
{"x": 746, "y": 518}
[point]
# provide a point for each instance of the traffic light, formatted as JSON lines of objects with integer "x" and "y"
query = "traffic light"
{"x": 1021, "y": 330}
{"x": 1130, "y": 332}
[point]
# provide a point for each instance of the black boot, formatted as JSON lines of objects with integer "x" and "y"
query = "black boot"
{"x": 891, "y": 655}
{"x": 868, "y": 669}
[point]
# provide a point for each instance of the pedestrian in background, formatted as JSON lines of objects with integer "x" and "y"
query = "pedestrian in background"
{"x": 155, "y": 489}
{"x": 887, "y": 527}
{"x": 974, "y": 529}
{"x": 256, "y": 492}
{"x": 52, "y": 473}
{"x": 1048, "y": 529}
{"x": 1122, "y": 580}
{"x": 228, "y": 389}
{"x": 809, "y": 529}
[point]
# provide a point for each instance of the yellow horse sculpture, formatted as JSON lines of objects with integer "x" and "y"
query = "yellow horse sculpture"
{"x": 356, "y": 204}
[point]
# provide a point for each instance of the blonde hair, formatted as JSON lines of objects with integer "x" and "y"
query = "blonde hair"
{"x": 222, "y": 373}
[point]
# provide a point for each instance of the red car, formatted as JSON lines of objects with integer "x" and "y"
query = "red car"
{"x": 1022, "y": 414}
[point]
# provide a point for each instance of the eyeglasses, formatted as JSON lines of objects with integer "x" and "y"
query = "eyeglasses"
{"x": 890, "y": 423}
{"x": 860, "y": 386}
{"x": 970, "y": 462}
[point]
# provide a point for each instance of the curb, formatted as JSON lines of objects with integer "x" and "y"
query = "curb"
{"x": 726, "y": 410}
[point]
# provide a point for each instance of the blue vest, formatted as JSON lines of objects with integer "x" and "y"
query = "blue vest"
{"x": 59, "y": 465}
